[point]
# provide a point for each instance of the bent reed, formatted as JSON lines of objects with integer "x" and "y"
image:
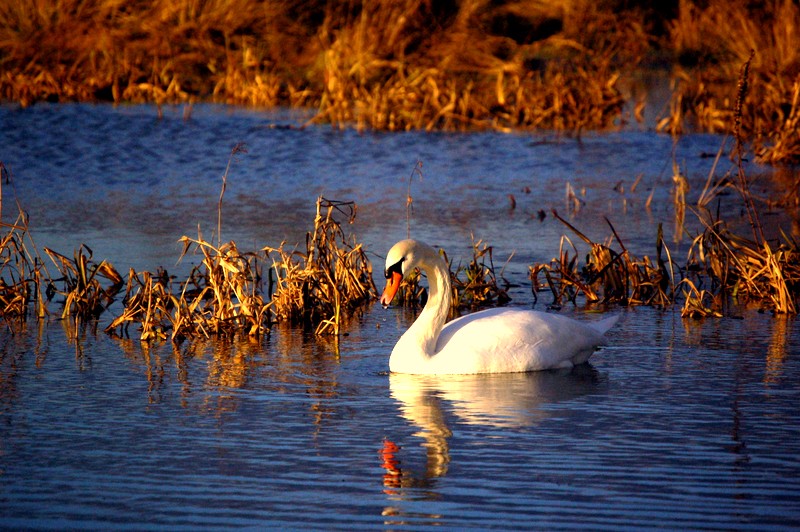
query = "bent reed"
{"x": 415, "y": 64}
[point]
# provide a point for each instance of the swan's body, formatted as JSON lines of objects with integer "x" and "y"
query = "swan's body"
{"x": 491, "y": 341}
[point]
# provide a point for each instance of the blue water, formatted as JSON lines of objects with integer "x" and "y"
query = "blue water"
{"x": 675, "y": 424}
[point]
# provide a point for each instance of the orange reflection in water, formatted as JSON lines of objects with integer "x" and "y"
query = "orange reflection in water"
{"x": 777, "y": 350}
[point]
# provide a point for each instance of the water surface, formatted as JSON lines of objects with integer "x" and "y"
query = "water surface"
{"x": 676, "y": 423}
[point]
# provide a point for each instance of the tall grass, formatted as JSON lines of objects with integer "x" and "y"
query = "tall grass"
{"x": 415, "y": 64}
{"x": 381, "y": 64}
{"x": 711, "y": 40}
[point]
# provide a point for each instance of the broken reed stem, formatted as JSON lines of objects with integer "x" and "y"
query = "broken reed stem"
{"x": 240, "y": 147}
{"x": 409, "y": 200}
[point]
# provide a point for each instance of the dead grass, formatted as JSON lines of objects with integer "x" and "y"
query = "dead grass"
{"x": 712, "y": 40}
{"x": 331, "y": 279}
{"x": 85, "y": 296}
{"x": 383, "y": 64}
{"x": 224, "y": 295}
{"x": 415, "y": 64}
{"x": 722, "y": 268}
{"x": 608, "y": 276}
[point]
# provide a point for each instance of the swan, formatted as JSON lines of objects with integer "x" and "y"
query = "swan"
{"x": 499, "y": 340}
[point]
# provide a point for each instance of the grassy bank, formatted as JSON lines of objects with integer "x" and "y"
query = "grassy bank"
{"x": 414, "y": 63}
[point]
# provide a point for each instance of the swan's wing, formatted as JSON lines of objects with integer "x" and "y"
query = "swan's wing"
{"x": 514, "y": 340}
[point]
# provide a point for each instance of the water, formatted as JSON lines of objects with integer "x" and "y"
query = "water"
{"x": 675, "y": 424}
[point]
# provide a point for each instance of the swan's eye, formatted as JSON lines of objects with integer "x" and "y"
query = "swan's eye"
{"x": 396, "y": 267}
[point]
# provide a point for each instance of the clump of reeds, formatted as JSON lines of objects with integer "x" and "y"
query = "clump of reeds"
{"x": 463, "y": 76}
{"x": 753, "y": 269}
{"x": 608, "y": 276}
{"x": 475, "y": 285}
{"x": 85, "y": 296}
{"x": 329, "y": 280}
{"x": 221, "y": 296}
{"x": 150, "y": 302}
{"x": 23, "y": 276}
{"x": 711, "y": 40}
{"x": 87, "y": 287}
{"x": 739, "y": 267}
{"x": 383, "y": 64}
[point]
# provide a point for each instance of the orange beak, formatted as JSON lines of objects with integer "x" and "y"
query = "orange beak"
{"x": 392, "y": 285}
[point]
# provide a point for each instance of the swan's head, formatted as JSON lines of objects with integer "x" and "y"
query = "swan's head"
{"x": 402, "y": 259}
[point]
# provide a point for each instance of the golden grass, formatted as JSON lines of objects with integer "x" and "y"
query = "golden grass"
{"x": 222, "y": 296}
{"x": 331, "y": 279}
{"x": 414, "y": 64}
{"x": 383, "y": 64}
{"x": 722, "y": 267}
{"x": 608, "y": 276}
{"x": 715, "y": 38}
{"x": 85, "y": 297}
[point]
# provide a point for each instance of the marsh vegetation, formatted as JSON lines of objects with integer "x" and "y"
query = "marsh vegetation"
{"x": 473, "y": 64}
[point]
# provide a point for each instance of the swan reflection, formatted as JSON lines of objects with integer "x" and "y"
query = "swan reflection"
{"x": 434, "y": 404}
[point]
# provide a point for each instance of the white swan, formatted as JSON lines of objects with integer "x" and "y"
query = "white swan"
{"x": 500, "y": 340}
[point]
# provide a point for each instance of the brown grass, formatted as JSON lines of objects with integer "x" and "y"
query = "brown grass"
{"x": 712, "y": 40}
{"x": 416, "y": 64}
{"x": 331, "y": 279}
{"x": 222, "y": 296}
{"x": 608, "y": 276}
{"x": 383, "y": 64}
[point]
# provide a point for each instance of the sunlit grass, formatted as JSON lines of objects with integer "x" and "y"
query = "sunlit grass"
{"x": 414, "y": 64}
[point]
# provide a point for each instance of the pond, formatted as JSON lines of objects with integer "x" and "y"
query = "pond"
{"x": 674, "y": 424}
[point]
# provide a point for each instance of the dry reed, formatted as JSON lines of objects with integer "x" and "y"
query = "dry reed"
{"x": 330, "y": 280}
{"x": 85, "y": 297}
{"x": 712, "y": 39}
{"x": 222, "y": 296}
{"x": 384, "y": 64}
{"x": 608, "y": 276}
{"x": 415, "y": 64}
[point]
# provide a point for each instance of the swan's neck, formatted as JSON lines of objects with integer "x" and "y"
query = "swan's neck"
{"x": 419, "y": 340}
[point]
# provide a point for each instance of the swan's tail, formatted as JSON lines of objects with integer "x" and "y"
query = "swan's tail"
{"x": 604, "y": 325}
